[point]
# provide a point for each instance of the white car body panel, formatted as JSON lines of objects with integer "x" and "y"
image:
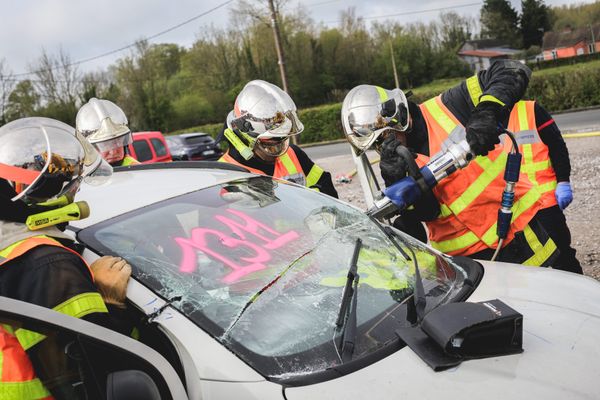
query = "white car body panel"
{"x": 561, "y": 321}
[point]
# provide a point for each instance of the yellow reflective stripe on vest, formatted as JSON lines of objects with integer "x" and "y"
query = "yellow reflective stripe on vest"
{"x": 520, "y": 206}
{"x": 540, "y": 252}
{"x": 444, "y": 211}
{"x": 288, "y": 164}
{"x": 128, "y": 160}
{"x": 33, "y": 389}
{"x": 547, "y": 187}
{"x": 490, "y": 236}
{"x": 491, "y": 171}
{"x": 522, "y": 113}
{"x": 77, "y": 306}
{"x": 314, "y": 175}
{"x": 457, "y": 243}
{"x": 440, "y": 116}
{"x": 474, "y": 89}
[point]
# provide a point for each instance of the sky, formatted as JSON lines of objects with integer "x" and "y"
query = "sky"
{"x": 86, "y": 29}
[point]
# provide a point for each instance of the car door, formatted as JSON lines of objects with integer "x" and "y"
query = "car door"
{"x": 126, "y": 369}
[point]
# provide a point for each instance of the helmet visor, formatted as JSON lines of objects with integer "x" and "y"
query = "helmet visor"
{"x": 274, "y": 147}
{"x": 283, "y": 124}
{"x": 115, "y": 143}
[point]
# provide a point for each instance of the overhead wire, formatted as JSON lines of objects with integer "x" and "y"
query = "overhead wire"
{"x": 108, "y": 53}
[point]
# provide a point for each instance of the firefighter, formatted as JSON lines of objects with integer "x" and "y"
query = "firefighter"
{"x": 469, "y": 199}
{"x": 258, "y": 131}
{"x": 42, "y": 163}
{"x": 105, "y": 125}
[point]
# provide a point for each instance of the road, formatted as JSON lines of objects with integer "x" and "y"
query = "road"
{"x": 580, "y": 121}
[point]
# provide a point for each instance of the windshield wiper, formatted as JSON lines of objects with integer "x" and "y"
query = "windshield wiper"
{"x": 346, "y": 319}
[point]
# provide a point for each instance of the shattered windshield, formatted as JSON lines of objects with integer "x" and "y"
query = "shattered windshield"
{"x": 261, "y": 265}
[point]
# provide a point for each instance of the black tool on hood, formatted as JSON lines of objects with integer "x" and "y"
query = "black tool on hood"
{"x": 455, "y": 332}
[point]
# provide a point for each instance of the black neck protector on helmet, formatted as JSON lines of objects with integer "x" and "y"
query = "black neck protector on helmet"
{"x": 15, "y": 211}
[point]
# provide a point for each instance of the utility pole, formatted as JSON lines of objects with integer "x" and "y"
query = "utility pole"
{"x": 280, "y": 55}
{"x": 394, "y": 66}
{"x": 593, "y": 47}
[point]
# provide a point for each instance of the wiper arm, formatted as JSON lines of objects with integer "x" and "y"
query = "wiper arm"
{"x": 420, "y": 300}
{"x": 346, "y": 320}
{"x": 390, "y": 234}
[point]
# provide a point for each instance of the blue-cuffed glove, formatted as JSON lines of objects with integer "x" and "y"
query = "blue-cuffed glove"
{"x": 564, "y": 194}
{"x": 403, "y": 193}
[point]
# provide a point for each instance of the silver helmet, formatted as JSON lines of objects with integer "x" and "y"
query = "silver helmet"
{"x": 45, "y": 159}
{"x": 265, "y": 116}
{"x": 103, "y": 124}
{"x": 368, "y": 111}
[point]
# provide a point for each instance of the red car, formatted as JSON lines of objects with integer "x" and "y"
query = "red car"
{"x": 149, "y": 147}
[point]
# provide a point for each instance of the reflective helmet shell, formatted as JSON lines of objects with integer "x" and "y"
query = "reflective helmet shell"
{"x": 103, "y": 124}
{"x": 44, "y": 159}
{"x": 263, "y": 110}
{"x": 368, "y": 111}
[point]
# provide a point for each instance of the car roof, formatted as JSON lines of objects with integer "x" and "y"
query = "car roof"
{"x": 134, "y": 187}
{"x": 193, "y": 134}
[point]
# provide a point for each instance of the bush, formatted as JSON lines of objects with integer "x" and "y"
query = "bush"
{"x": 562, "y": 88}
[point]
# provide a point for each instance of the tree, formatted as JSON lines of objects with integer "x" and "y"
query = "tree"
{"x": 535, "y": 20}
{"x": 500, "y": 21}
{"x": 454, "y": 30}
{"x": 23, "y": 101}
{"x": 7, "y": 84}
{"x": 57, "y": 83}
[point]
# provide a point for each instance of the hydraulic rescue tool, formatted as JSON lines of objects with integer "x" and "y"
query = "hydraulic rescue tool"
{"x": 408, "y": 190}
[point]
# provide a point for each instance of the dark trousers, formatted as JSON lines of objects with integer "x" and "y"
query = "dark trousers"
{"x": 554, "y": 222}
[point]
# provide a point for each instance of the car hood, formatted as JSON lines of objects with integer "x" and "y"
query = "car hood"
{"x": 561, "y": 358}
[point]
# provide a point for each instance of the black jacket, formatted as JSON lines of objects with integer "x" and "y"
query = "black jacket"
{"x": 47, "y": 276}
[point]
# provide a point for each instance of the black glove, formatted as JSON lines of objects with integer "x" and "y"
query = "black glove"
{"x": 393, "y": 167}
{"x": 482, "y": 128}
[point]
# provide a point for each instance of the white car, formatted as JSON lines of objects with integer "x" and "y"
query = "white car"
{"x": 241, "y": 280}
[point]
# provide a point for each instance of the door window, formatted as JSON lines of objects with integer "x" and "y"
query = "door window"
{"x": 142, "y": 150}
{"x": 159, "y": 147}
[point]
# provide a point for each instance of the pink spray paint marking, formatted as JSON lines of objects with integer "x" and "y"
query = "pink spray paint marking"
{"x": 270, "y": 238}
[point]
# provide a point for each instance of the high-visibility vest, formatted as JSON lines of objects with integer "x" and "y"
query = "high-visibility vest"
{"x": 470, "y": 198}
{"x": 17, "y": 376}
{"x": 536, "y": 159}
{"x": 287, "y": 167}
{"x": 128, "y": 160}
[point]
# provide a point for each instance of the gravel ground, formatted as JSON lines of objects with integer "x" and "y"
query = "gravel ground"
{"x": 583, "y": 215}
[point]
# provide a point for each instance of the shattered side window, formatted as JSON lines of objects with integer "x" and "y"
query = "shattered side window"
{"x": 261, "y": 265}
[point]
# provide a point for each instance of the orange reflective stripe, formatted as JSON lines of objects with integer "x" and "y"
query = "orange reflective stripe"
{"x": 17, "y": 174}
{"x": 230, "y": 160}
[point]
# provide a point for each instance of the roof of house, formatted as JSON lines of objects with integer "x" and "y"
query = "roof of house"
{"x": 484, "y": 43}
{"x": 568, "y": 37}
{"x": 489, "y": 52}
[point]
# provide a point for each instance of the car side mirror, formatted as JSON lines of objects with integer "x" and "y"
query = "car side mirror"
{"x": 131, "y": 385}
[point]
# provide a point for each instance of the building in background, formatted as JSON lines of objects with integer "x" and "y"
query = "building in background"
{"x": 479, "y": 54}
{"x": 571, "y": 42}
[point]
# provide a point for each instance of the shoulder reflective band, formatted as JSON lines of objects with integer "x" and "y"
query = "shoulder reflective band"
{"x": 32, "y": 389}
{"x": 17, "y": 174}
{"x": 489, "y": 97}
{"x": 314, "y": 175}
{"x": 474, "y": 89}
{"x": 77, "y": 306}
{"x": 540, "y": 252}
